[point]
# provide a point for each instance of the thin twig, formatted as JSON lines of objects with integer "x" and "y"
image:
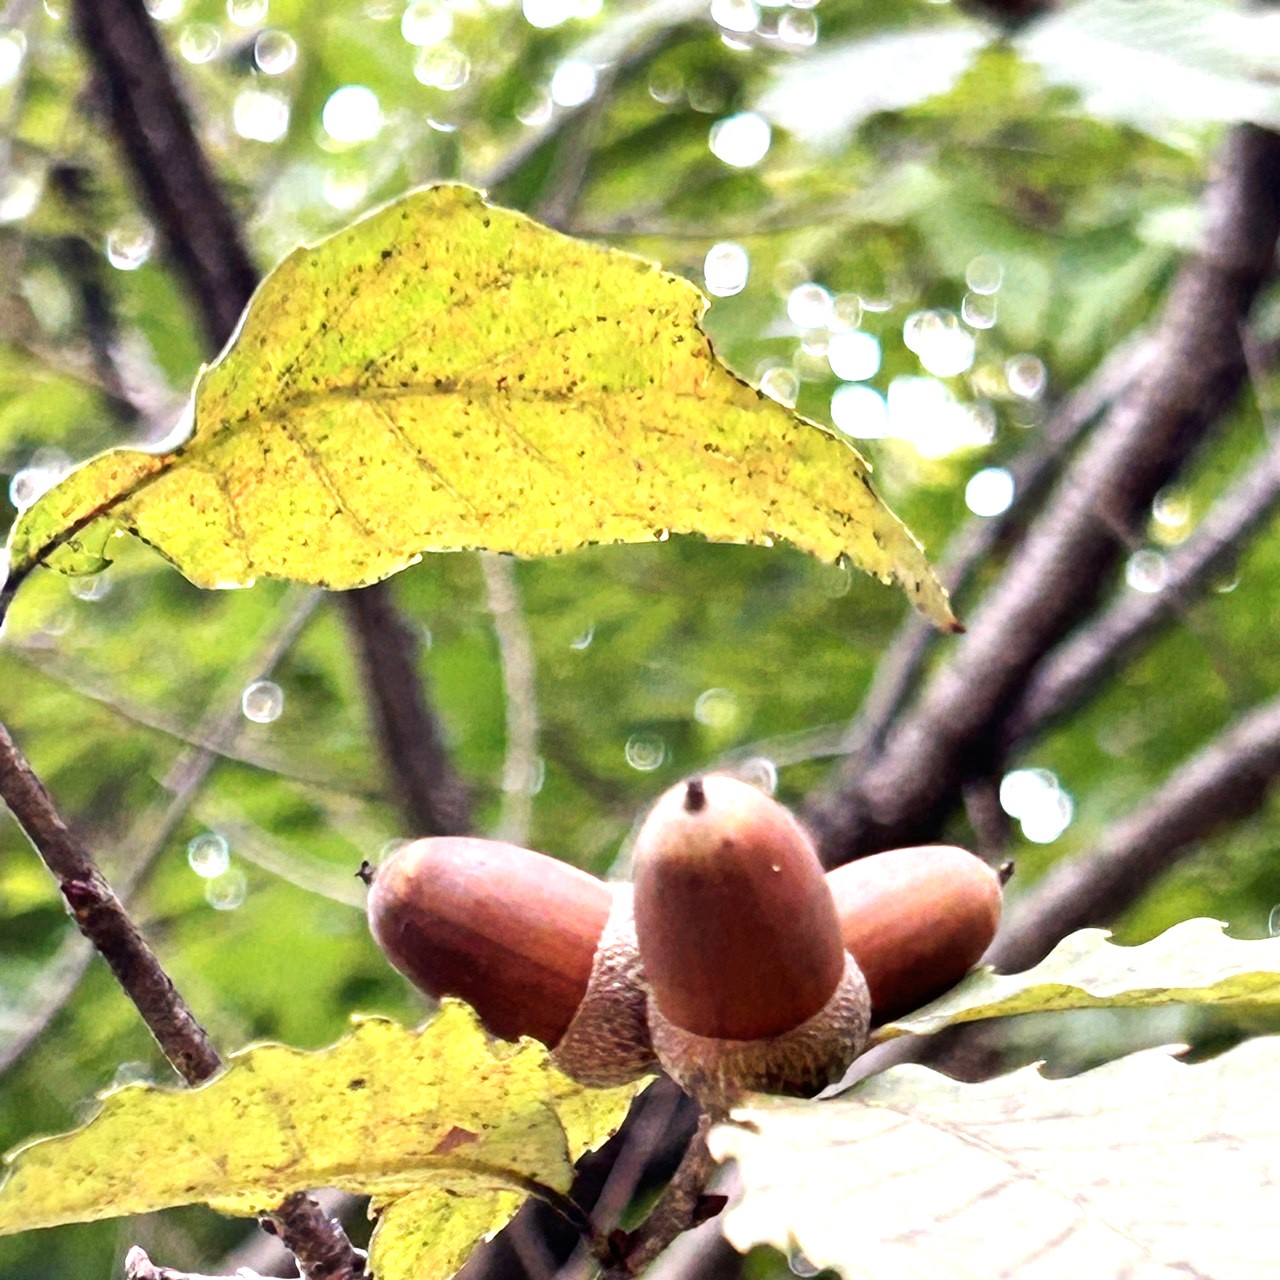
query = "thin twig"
{"x": 899, "y": 673}
{"x": 677, "y": 1209}
{"x": 520, "y": 692}
{"x": 1223, "y": 782}
{"x": 309, "y": 875}
{"x": 317, "y": 1241}
{"x": 628, "y": 41}
{"x": 655, "y": 1127}
{"x": 40, "y": 660}
{"x": 432, "y": 797}
{"x": 264, "y": 1253}
{"x": 1055, "y": 575}
{"x": 1081, "y": 664}
{"x": 186, "y": 780}
{"x": 103, "y": 920}
{"x": 138, "y": 1266}
{"x": 187, "y": 776}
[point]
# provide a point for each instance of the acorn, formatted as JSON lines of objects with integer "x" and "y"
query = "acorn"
{"x": 916, "y": 921}
{"x": 750, "y": 985}
{"x": 536, "y": 947}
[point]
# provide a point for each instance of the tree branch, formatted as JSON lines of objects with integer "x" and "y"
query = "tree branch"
{"x": 1067, "y": 678}
{"x": 519, "y": 684}
{"x": 679, "y": 1207}
{"x": 319, "y": 1244}
{"x": 133, "y": 77}
{"x": 201, "y": 233}
{"x": 138, "y": 1266}
{"x": 317, "y": 1241}
{"x": 432, "y": 797}
{"x": 1053, "y": 578}
{"x": 1033, "y": 470}
{"x": 186, "y": 777}
{"x": 200, "y": 230}
{"x": 1225, "y": 781}
{"x": 101, "y": 918}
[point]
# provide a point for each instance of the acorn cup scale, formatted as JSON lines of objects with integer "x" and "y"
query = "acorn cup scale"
{"x": 537, "y": 947}
{"x": 750, "y": 985}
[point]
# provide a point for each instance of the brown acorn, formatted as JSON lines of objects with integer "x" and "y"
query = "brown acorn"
{"x": 537, "y": 947}
{"x": 916, "y": 920}
{"x": 750, "y": 985}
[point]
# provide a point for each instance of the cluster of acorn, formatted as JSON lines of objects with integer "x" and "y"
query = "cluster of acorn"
{"x": 735, "y": 963}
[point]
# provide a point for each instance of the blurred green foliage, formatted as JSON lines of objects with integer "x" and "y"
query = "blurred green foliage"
{"x": 886, "y": 203}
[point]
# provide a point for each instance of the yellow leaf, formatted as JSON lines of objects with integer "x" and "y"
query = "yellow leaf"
{"x": 443, "y": 1115}
{"x": 428, "y": 1234}
{"x": 446, "y": 375}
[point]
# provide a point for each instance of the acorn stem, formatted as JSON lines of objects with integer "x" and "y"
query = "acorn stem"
{"x": 695, "y": 796}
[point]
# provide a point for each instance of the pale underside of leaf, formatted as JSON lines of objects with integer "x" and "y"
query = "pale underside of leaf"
{"x": 447, "y": 375}
{"x": 384, "y": 1112}
{"x": 1194, "y": 962}
{"x": 1145, "y": 1168}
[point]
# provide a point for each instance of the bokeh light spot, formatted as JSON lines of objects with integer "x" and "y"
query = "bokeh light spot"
{"x": 989, "y": 491}
{"x": 725, "y": 269}
{"x": 352, "y": 114}
{"x": 741, "y": 140}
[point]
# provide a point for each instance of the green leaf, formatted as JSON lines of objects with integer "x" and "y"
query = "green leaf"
{"x": 445, "y": 375}
{"x": 1192, "y": 963}
{"x": 1144, "y": 1167}
{"x": 1189, "y": 60}
{"x": 444, "y": 1115}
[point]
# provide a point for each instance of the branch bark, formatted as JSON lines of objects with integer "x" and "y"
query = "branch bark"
{"x": 1033, "y": 470}
{"x": 1224, "y": 782}
{"x": 1054, "y": 577}
{"x": 103, "y": 920}
{"x": 153, "y": 128}
{"x": 315, "y": 1241}
{"x": 200, "y": 230}
{"x": 433, "y": 798}
{"x": 680, "y": 1207}
{"x": 1065, "y": 680}
{"x": 151, "y": 123}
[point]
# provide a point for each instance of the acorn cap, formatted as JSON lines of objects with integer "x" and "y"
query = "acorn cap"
{"x": 510, "y": 931}
{"x": 607, "y": 1043}
{"x": 737, "y": 929}
{"x": 916, "y": 920}
{"x": 799, "y": 1062}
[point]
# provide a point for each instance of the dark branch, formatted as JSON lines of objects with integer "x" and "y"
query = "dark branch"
{"x": 317, "y": 1241}
{"x": 133, "y": 73}
{"x": 1080, "y": 665}
{"x": 432, "y": 797}
{"x": 678, "y": 1208}
{"x": 1054, "y": 577}
{"x": 150, "y": 121}
{"x": 151, "y": 836}
{"x": 201, "y": 233}
{"x": 101, "y": 918}
{"x": 1224, "y": 782}
{"x": 1033, "y": 470}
